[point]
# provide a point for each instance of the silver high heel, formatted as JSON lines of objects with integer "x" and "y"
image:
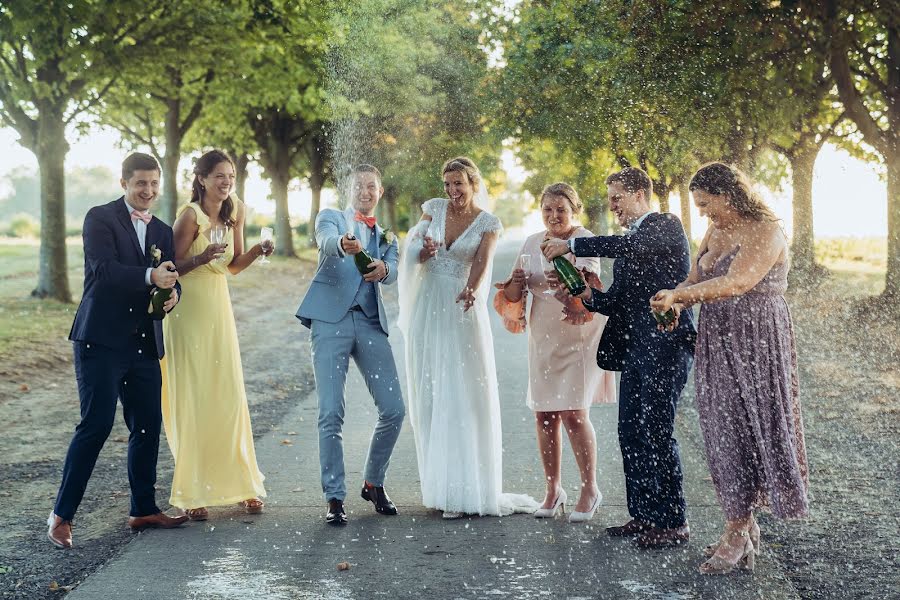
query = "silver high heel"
{"x": 550, "y": 513}
{"x": 580, "y": 517}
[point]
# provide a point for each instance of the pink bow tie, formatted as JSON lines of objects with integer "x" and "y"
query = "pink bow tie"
{"x": 142, "y": 216}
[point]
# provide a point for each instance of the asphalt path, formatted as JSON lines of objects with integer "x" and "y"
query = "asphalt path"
{"x": 288, "y": 552}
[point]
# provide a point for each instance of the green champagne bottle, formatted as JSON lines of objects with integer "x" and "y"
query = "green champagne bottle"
{"x": 569, "y": 275}
{"x": 157, "y": 300}
{"x": 362, "y": 260}
{"x": 664, "y": 318}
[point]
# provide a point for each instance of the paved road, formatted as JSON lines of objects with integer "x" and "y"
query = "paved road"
{"x": 289, "y": 553}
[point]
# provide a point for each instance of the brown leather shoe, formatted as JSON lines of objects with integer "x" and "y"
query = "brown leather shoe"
{"x": 158, "y": 521}
{"x": 658, "y": 537}
{"x": 629, "y": 529}
{"x": 60, "y": 531}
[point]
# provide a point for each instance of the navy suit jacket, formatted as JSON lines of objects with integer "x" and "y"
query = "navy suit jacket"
{"x": 655, "y": 257}
{"x": 113, "y": 308}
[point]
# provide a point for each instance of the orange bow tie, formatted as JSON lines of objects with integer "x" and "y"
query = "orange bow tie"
{"x": 142, "y": 216}
{"x": 369, "y": 221}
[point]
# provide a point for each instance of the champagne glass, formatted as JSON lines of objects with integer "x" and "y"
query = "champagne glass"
{"x": 546, "y": 265}
{"x": 434, "y": 232}
{"x": 217, "y": 235}
{"x": 265, "y": 240}
{"x": 525, "y": 265}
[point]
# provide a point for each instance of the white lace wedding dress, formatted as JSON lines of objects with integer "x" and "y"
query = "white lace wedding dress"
{"x": 454, "y": 404}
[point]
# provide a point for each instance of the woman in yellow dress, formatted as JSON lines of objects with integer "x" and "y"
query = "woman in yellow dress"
{"x": 204, "y": 404}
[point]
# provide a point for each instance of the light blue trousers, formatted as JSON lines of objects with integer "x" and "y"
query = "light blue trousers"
{"x": 332, "y": 346}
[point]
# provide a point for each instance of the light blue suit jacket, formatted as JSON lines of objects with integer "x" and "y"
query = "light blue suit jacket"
{"x": 337, "y": 279}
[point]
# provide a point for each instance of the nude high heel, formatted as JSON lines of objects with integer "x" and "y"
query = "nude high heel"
{"x": 550, "y": 513}
{"x": 746, "y": 561}
{"x": 581, "y": 517}
{"x": 754, "y": 537}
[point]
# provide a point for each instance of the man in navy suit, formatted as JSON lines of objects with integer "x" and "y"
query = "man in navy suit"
{"x": 117, "y": 346}
{"x": 654, "y": 363}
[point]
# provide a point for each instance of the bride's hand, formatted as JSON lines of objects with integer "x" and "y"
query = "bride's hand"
{"x": 429, "y": 249}
{"x": 467, "y": 297}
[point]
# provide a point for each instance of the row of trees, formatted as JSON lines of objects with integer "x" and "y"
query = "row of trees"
{"x": 670, "y": 85}
{"x": 308, "y": 87}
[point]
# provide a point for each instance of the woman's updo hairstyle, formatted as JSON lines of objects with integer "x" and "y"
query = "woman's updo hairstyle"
{"x": 463, "y": 164}
{"x": 566, "y": 191}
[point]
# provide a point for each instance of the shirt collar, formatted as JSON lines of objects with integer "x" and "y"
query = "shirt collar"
{"x": 636, "y": 224}
{"x": 130, "y": 207}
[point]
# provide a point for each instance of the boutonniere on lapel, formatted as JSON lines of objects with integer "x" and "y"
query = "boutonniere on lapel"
{"x": 388, "y": 237}
{"x": 155, "y": 256}
{"x": 158, "y": 297}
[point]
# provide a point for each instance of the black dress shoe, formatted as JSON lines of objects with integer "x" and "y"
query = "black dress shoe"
{"x": 378, "y": 497}
{"x": 336, "y": 514}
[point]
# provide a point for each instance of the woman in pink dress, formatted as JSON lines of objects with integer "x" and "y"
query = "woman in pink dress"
{"x": 564, "y": 379}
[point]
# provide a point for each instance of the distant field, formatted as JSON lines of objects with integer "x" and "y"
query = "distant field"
{"x": 28, "y": 322}
{"x": 858, "y": 266}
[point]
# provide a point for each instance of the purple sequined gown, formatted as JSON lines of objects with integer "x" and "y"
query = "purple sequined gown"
{"x": 747, "y": 398}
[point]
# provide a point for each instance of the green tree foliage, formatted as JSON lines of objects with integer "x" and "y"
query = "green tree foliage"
{"x": 406, "y": 94}
{"x": 155, "y": 105}
{"x": 864, "y": 58}
{"x": 57, "y": 60}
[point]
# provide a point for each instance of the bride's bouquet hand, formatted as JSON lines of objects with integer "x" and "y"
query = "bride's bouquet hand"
{"x": 467, "y": 297}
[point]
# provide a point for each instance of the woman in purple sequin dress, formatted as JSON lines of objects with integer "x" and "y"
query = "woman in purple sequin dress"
{"x": 745, "y": 363}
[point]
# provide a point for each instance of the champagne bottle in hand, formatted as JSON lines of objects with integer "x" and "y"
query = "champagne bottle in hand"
{"x": 665, "y": 318}
{"x": 569, "y": 276}
{"x": 362, "y": 260}
{"x": 158, "y": 297}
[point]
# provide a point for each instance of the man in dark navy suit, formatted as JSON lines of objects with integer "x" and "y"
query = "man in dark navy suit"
{"x": 118, "y": 345}
{"x": 654, "y": 364}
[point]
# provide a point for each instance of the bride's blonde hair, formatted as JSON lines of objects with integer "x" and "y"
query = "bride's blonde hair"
{"x": 463, "y": 164}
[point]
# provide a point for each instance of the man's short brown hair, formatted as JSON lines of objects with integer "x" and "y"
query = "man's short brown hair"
{"x": 366, "y": 168}
{"x": 138, "y": 161}
{"x": 633, "y": 179}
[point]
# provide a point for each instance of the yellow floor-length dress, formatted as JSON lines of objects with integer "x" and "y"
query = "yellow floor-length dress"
{"x": 204, "y": 405}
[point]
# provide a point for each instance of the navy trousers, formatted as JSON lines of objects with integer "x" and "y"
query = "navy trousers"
{"x": 649, "y": 393}
{"x": 104, "y": 376}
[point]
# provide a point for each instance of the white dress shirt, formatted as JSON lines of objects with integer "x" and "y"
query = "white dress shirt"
{"x": 140, "y": 228}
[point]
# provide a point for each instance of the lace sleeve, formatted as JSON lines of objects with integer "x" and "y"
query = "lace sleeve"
{"x": 488, "y": 224}
{"x": 430, "y": 207}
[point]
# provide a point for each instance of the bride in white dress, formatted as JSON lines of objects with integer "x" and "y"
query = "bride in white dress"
{"x": 454, "y": 404}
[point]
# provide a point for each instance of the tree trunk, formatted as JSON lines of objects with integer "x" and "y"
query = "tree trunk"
{"x": 685, "y": 193}
{"x": 598, "y": 221}
{"x": 241, "y": 160}
{"x": 317, "y": 158}
{"x": 52, "y": 147}
{"x": 663, "y": 194}
{"x": 170, "y": 162}
{"x": 283, "y": 231}
{"x": 390, "y": 204}
{"x": 802, "y": 248}
{"x": 169, "y": 201}
{"x": 892, "y": 279}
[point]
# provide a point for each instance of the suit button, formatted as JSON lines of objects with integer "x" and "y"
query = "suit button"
{"x": 140, "y": 351}
{"x": 143, "y": 335}
{"x": 130, "y": 310}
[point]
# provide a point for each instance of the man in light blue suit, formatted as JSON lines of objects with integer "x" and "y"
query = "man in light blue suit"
{"x": 346, "y": 317}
